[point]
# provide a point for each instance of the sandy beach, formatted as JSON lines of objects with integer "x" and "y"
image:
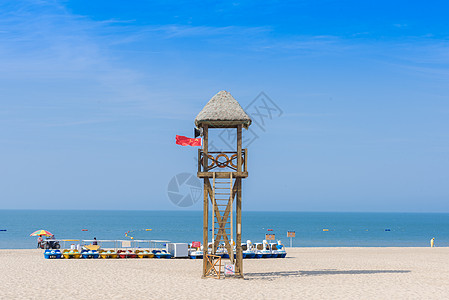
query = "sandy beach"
{"x": 316, "y": 273}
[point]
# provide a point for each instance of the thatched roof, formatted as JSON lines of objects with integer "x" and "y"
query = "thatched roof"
{"x": 222, "y": 111}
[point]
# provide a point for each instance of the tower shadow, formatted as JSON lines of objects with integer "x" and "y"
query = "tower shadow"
{"x": 281, "y": 274}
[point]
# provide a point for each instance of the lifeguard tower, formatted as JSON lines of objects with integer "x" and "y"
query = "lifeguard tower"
{"x": 222, "y": 172}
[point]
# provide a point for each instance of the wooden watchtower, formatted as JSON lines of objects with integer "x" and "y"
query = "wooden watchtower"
{"x": 225, "y": 169}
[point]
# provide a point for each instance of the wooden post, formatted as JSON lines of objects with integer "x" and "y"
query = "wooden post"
{"x": 214, "y": 205}
{"x": 205, "y": 147}
{"x": 239, "y": 254}
{"x": 246, "y": 161}
{"x": 231, "y": 200}
{"x": 205, "y": 204}
{"x": 239, "y": 148}
{"x": 200, "y": 162}
{"x": 205, "y": 227}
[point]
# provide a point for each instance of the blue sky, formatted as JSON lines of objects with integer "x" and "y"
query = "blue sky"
{"x": 92, "y": 94}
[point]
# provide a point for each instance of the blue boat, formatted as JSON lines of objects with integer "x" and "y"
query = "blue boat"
{"x": 198, "y": 254}
{"x": 246, "y": 250}
{"x": 262, "y": 250}
{"x": 221, "y": 251}
{"x": 280, "y": 250}
{"x": 195, "y": 252}
{"x": 282, "y": 254}
{"x": 90, "y": 254}
{"x": 52, "y": 254}
{"x": 161, "y": 254}
{"x": 249, "y": 254}
{"x": 274, "y": 250}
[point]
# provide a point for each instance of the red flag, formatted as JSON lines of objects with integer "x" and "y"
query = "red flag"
{"x": 185, "y": 141}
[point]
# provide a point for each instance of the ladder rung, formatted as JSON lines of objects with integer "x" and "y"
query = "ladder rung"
{"x": 220, "y": 188}
{"x": 221, "y": 193}
{"x": 222, "y": 182}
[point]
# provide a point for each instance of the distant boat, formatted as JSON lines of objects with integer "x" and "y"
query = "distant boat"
{"x": 262, "y": 250}
{"x": 278, "y": 250}
{"x": 196, "y": 252}
{"x": 161, "y": 254}
{"x": 246, "y": 250}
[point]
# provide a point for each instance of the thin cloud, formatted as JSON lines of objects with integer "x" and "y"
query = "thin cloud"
{"x": 50, "y": 53}
{"x": 400, "y": 25}
{"x": 309, "y": 115}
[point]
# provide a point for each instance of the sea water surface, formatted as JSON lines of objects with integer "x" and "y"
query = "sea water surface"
{"x": 344, "y": 229}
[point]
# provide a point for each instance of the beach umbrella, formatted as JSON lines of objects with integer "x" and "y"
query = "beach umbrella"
{"x": 41, "y": 233}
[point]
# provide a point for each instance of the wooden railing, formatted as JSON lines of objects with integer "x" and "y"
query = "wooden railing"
{"x": 221, "y": 161}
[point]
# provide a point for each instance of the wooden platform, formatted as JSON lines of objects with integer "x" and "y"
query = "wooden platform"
{"x": 222, "y": 174}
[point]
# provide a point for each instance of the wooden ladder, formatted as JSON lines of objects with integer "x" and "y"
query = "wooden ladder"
{"x": 222, "y": 214}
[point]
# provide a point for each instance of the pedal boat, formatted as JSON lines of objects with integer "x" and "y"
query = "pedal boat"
{"x": 247, "y": 252}
{"x": 144, "y": 254}
{"x": 161, "y": 254}
{"x": 108, "y": 254}
{"x": 71, "y": 254}
{"x": 261, "y": 251}
{"x": 196, "y": 254}
{"x": 274, "y": 250}
{"x": 126, "y": 254}
{"x": 281, "y": 253}
{"x": 89, "y": 254}
{"x": 52, "y": 254}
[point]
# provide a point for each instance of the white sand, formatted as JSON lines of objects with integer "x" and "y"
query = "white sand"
{"x": 316, "y": 273}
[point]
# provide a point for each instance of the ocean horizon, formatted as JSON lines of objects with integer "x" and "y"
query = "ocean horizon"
{"x": 341, "y": 229}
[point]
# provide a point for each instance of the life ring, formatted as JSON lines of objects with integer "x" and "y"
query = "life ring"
{"x": 212, "y": 160}
{"x": 222, "y": 164}
{"x": 233, "y": 156}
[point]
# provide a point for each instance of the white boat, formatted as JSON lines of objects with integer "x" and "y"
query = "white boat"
{"x": 274, "y": 250}
{"x": 222, "y": 251}
{"x": 246, "y": 249}
{"x": 278, "y": 250}
{"x": 262, "y": 250}
{"x": 196, "y": 253}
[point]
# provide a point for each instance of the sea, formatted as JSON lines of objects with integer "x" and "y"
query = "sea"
{"x": 312, "y": 229}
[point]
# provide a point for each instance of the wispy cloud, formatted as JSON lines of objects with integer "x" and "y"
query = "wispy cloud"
{"x": 308, "y": 115}
{"x": 180, "y": 31}
{"x": 399, "y": 25}
{"x": 57, "y": 63}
